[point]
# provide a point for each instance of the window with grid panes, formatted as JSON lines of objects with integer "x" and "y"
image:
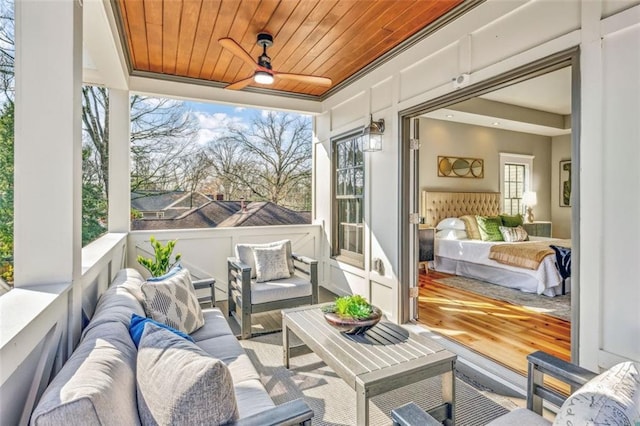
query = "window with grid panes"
{"x": 514, "y": 187}
{"x": 348, "y": 217}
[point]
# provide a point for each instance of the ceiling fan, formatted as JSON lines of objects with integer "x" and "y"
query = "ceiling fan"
{"x": 264, "y": 74}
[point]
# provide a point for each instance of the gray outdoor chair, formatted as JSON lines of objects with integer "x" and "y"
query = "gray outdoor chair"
{"x": 247, "y": 296}
{"x": 612, "y": 397}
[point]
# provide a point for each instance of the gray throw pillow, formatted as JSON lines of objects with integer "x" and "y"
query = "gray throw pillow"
{"x": 180, "y": 384}
{"x": 244, "y": 253}
{"x": 271, "y": 263}
{"x": 174, "y": 302}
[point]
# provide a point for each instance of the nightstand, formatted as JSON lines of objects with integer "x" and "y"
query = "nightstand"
{"x": 426, "y": 237}
{"x": 538, "y": 228}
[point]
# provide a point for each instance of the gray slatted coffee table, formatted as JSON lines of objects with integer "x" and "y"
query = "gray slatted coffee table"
{"x": 385, "y": 358}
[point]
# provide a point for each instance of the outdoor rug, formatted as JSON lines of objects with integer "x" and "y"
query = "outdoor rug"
{"x": 334, "y": 402}
{"x": 558, "y": 306}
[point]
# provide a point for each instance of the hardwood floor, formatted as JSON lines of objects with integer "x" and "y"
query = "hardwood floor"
{"x": 499, "y": 330}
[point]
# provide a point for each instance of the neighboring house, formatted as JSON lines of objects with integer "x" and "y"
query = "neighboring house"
{"x": 166, "y": 204}
{"x": 216, "y": 213}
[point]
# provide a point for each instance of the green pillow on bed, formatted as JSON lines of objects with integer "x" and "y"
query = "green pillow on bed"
{"x": 511, "y": 221}
{"x": 489, "y": 227}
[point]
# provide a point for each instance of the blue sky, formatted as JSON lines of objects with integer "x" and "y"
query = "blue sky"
{"x": 214, "y": 118}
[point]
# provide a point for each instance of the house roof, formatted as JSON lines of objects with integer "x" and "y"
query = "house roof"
{"x": 227, "y": 214}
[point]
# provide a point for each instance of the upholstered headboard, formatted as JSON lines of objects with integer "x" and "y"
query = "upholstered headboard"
{"x": 436, "y": 206}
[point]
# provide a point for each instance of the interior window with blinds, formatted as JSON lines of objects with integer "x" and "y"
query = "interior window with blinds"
{"x": 514, "y": 184}
{"x": 348, "y": 216}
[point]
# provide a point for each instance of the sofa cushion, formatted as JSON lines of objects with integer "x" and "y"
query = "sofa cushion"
{"x": 179, "y": 383}
{"x": 244, "y": 253}
{"x": 120, "y": 300}
{"x": 174, "y": 302}
{"x": 612, "y": 397}
{"x": 271, "y": 263}
{"x": 286, "y": 288}
{"x": 136, "y": 328}
{"x": 215, "y": 325}
{"x": 99, "y": 376}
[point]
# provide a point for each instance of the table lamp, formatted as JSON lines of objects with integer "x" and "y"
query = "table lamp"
{"x": 530, "y": 199}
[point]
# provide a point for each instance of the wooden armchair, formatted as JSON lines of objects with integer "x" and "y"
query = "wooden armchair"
{"x": 613, "y": 396}
{"x": 249, "y": 296}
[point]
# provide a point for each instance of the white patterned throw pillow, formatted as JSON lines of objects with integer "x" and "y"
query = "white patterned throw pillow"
{"x": 244, "y": 253}
{"x": 174, "y": 302}
{"x": 611, "y": 398}
{"x": 513, "y": 234}
{"x": 271, "y": 263}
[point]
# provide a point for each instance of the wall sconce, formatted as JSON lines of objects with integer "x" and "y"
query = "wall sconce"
{"x": 372, "y": 135}
{"x": 530, "y": 199}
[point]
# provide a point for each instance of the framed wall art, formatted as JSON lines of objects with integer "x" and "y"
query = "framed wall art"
{"x": 565, "y": 183}
{"x": 460, "y": 167}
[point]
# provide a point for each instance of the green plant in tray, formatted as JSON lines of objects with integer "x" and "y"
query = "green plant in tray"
{"x": 354, "y": 306}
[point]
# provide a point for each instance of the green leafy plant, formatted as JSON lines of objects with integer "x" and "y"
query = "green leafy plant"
{"x": 161, "y": 263}
{"x": 354, "y": 306}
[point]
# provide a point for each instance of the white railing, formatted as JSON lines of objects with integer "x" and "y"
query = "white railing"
{"x": 34, "y": 324}
{"x": 205, "y": 251}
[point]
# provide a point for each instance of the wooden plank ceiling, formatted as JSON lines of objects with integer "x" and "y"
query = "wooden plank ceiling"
{"x": 329, "y": 38}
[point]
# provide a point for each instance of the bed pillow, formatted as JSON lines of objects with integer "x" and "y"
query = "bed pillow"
{"x": 452, "y": 234}
{"x": 489, "y": 227}
{"x": 511, "y": 220}
{"x": 451, "y": 223}
{"x": 471, "y": 226}
{"x": 513, "y": 235}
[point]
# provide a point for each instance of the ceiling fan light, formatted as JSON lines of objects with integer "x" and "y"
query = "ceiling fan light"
{"x": 263, "y": 77}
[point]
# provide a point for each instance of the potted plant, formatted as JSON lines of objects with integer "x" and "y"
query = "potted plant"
{"x": 352, "y": 314}
{"x": 160, "y": 264}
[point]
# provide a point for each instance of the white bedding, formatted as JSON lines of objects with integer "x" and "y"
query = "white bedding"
{"x": 471, "y": 258}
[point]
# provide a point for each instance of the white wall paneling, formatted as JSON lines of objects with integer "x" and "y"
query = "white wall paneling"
{"x": 504, "y": 36}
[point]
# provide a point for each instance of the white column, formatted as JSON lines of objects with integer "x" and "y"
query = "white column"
{"x": 119, "y": 161}
{"x": 48, "y": 147}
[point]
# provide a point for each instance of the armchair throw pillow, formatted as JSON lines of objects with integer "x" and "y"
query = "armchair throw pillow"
{"x": 244, "y": 253}
{"x": 179, "y": 383}
{"x": 271, "y": 263}
{"x": 174, "y": 302}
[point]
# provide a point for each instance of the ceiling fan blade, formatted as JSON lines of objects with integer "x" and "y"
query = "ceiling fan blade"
{"x": 302, "y": 78}
{"x": 240, "y": 84}
{"x": 233, "y": 47}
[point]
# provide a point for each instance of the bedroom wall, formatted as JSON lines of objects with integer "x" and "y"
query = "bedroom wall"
{"x": 560, "y": 216}
{"x": 493, "y": 38}
{"x": 439, "y": 137}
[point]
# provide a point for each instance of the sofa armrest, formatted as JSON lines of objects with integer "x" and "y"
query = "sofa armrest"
{"x": 206, "y": 283}
{"x": 541, "y": 364}
{"x": 295, "y": 412}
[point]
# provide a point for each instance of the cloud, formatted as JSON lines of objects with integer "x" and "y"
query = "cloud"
{"x": 214, "y": 126}
{"x": 239, "y": 109}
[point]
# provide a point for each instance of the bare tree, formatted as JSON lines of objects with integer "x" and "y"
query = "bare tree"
{"x": 271, "y": 159}
{"x": 161, "y": 129}
{"x": 7, "y": 49}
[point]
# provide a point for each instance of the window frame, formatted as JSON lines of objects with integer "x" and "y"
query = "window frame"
{"x": 353, "y": 258}
{"x": 516, "y": 159}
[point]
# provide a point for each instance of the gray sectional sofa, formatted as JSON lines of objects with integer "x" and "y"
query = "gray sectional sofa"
{"x": 97, "y": 385}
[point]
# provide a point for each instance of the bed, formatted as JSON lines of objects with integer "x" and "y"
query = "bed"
{"x": 470, "y": 258}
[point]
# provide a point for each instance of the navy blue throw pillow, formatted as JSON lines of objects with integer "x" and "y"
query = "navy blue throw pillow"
{"x": 136, "y": 328}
